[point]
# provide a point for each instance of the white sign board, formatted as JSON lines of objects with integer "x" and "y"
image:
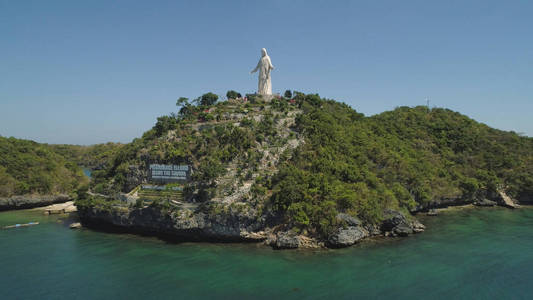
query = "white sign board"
{"x": 169, "y": 173}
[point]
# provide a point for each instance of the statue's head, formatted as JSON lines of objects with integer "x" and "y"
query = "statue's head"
{"x": 263, "y": 52}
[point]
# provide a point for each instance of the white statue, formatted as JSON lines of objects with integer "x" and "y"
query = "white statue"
{"x": 264, "y": 66}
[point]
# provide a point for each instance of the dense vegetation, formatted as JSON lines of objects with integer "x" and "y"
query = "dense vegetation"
{"x": 398, "y": 159}
{"x": 27, "y": 167}
{"x": 96, "y": 156}
{"x": 403, "y": 159}
{"x": 201, "y": 135}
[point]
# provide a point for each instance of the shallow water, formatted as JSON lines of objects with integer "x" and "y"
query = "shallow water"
{"x": 465, "y": 254}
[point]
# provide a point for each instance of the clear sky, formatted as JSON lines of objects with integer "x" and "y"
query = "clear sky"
{"x": 86, "y": 72}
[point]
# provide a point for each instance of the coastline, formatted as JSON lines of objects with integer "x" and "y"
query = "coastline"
{"x": 145, "y": 223}
{"x": 58, "y": 208}
{"x": 309, "y": 244}
{"x": 31, "y": 201}
{"x": 455, "y": 240}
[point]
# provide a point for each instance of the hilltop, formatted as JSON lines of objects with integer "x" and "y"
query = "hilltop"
{"x": 306, "y": 171}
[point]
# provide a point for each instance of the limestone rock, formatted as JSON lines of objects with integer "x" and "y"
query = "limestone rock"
{"x": 254, "y": 236}
{"x": 349, "y": 220}
{"x": 417, "y": 226}
{"x": 396, "y": 224}
{"x": 344, "y": 237}
{"x": 372, "y": 229}
{"x": 485, "y": 202}
{"x": 287, "y": 240}
{"x": 184, "y": 225}
{"x": 506, "y": 201}
{"x": 31, "y": 201}
{"x": 75, "y": 225}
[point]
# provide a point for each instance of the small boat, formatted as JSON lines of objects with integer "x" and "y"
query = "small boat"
{"x": 21, "y": 225}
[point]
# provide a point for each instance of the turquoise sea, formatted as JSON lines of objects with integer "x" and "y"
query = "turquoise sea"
{"x": 464, "y": 254}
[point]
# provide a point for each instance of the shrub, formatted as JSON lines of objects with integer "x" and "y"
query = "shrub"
{"x": 208, "y": 99}
{"x": 231, "y": 94}
{"x": 164, "y": 124}
{"x": 253, "y": 98}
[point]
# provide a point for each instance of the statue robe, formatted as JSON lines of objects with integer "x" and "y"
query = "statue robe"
{"x": 264, "y": 66}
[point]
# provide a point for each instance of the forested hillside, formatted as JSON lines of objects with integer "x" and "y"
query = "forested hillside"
{"x": 27, "y": 167}
{"x": 307, "y": 160}
{"x": 96, "y": 156}
{"x": 400, "y": 159}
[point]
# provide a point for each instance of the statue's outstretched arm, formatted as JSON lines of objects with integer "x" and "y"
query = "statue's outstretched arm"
{"x": 256, "y": 68}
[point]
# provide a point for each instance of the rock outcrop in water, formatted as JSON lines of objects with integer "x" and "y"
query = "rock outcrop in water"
{"x": 238, "y": 227}
{"x": 184, "y": 226}
{"x": 396, "y": 224}
{"x": 286, "y": 240}
{"x": 344, "y": 237}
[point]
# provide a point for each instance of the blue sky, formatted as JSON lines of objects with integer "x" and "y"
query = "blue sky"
{"x": 86, "y": 72}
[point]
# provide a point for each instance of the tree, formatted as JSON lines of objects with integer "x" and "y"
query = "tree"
{"x": 164, "y": 124}
{"x": 288, "y": 94}
{"x": 208, "y": 99}
{"x": 184, "y": 105}
{"x": 182, "y": 101}
{"x": 231, "y": 94}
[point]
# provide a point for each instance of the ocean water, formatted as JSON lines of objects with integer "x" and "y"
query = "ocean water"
{"x": 464, "y": 254}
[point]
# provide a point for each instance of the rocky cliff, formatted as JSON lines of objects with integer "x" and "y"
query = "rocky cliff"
{"x": 239, "y": 226}
{"x": 184, "y": 225}
{"x": 31, "y": 201}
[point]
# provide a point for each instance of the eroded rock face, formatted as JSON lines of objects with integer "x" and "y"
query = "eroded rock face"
{"x": 349, "y": 220}
{"x": 135, "y": 176}
{"x": 485, "y": 202}
{"x": 183, "y": 225}
{"x": 442, "y": 203}
{"x": 504, "y": 200}
{"x": 402, "y": 230}
{"x": 344, "y": 237}
{"x": 372, "y": 229}
{"x": 417, "y": 226}
{"x": 241, "y": 225}
{"x": 287, "y": 240}
{"x": 31, "y": 201}
{"x": 396, "y": 224}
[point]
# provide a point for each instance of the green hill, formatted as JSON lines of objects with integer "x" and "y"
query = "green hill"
{"x": 94, "y": 157}
{"x": 27, "y": 167}
{"x": 402, "y": 159}
{"x": 301, "y": 164}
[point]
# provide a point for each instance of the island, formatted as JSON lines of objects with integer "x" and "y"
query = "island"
{"x": 301, "y": 171}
